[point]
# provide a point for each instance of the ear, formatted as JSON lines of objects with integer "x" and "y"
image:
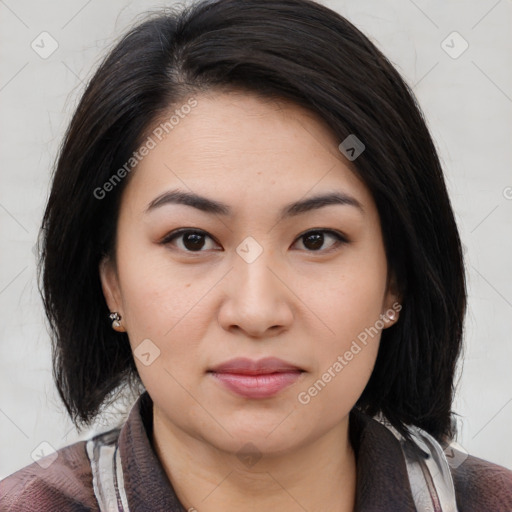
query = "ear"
{"x": 110, "y": 285}
{"x": 392, "y": 302}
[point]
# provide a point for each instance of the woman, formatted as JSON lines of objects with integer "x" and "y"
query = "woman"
{"x": 249, "y": 221}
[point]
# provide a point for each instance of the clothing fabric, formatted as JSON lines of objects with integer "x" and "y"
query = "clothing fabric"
{"x": 121, "y": 468}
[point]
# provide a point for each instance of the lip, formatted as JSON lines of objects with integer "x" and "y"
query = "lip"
{"x": 256, "y": 379}
{"x": 243, "y": 365}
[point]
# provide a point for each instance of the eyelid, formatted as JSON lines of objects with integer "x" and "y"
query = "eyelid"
{"x": 341, "y": 238}
{"x": 169, "y": 237}
{"x": 329, "y": 231}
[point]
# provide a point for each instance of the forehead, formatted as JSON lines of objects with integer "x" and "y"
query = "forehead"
{"x": 241, "y": 147}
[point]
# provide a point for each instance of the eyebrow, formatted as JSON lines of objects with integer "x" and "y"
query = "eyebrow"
{"x": 218, "y": 208}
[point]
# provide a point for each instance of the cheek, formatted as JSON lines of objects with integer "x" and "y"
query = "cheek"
{"x": 170, "y": 312}
{"x": 352, "y": 298}
{"x": 166, "y": 310}
{"x": 157, "y": 293}
{"x": 345, "y": 356}
{"x": 349, "y": 308}
{"x": 163, "y": 318}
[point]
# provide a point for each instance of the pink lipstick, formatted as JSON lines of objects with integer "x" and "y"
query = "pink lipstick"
{"x": 256, "y": 379}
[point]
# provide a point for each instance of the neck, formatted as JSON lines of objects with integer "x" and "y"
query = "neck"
{"x": 318, "y": 476}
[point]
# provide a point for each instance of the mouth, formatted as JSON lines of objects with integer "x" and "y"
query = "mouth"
{"x": 256, "y": 379}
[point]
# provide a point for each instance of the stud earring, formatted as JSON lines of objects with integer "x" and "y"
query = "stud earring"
{"x": 116, "y": 321}
{"x": 391, "y": 315}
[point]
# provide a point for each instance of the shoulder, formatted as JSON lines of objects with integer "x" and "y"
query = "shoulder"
{"x": 60, "y": 481}
{"x": 482, "y": 485}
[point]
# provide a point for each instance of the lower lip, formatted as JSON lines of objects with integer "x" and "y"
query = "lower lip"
{"x": 257, "y": 386}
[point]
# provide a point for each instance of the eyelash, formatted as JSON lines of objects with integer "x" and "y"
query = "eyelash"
{"x": 340, "y": 239}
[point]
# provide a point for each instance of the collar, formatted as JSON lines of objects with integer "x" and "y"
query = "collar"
{"x": 382, "y": 478}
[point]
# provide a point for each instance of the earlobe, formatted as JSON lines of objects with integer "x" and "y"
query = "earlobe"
{"x": 393, "y": 303}
{"x": 391, "y": 314}
{"x": 111, "y": 292}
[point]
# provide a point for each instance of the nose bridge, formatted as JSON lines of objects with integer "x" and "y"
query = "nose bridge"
{"x": 256, "y": 298}
{"x": 253, "y": 264}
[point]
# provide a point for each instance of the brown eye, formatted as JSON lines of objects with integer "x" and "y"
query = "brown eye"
{"x": 314, "y": 240}
{"x": 196, "y": 241}
{"x": 191, "y": 240}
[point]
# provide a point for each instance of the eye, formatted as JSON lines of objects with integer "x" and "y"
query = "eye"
{"x": 195, "y": 240}
{"x": 313, "y": 240}
{"x": 191, "y": 240}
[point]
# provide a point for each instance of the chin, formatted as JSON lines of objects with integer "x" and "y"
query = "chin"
{"x": 251, "y": 436}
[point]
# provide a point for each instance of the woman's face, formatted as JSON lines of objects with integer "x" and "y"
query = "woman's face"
{"x": 254, "y": 278}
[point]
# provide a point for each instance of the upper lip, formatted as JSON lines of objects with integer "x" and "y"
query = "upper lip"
{"x": 250, "y": 367}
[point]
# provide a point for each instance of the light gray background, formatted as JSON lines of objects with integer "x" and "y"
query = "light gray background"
{"x": 467, "y": 102}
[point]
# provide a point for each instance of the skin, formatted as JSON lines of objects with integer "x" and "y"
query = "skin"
{"x": 205, "y": 306}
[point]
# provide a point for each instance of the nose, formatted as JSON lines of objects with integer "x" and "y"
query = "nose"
{"x": 257, "y": 299}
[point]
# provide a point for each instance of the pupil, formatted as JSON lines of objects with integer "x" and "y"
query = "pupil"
{"x": 195, "y": 241}
{"x": 317, "y": 238}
